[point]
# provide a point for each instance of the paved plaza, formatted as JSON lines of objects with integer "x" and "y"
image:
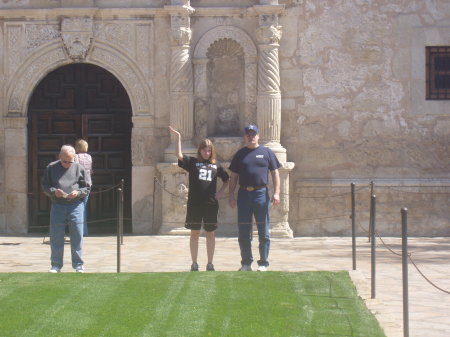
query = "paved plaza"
{"x": 429, "y": 307}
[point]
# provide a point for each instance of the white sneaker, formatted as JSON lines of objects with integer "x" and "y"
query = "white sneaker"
{"x": 262, "y": 268}
{"x": 54, "y": 269}
{"x": 79, "y": 269}
{"x": 245, "y": 267}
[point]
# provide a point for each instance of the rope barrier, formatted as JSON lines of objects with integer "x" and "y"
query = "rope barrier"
{"x": 426, "y": 278}
{"x": 42, "y": 192}
{"x": 414, "y": 264}
{"x": 410, "y": 258}
{"x": 311, "y": 196}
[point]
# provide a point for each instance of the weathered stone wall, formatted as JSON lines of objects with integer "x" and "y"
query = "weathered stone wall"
{"x": 354, "y": 109}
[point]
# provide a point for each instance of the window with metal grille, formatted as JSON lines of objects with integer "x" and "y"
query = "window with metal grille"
{"x": 438, "y": 73}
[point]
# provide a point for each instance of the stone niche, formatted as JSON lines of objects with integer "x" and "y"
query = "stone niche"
{"x": 225, "y": 77}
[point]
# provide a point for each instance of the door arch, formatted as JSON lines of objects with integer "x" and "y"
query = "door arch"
{"x": 81, "y": 101}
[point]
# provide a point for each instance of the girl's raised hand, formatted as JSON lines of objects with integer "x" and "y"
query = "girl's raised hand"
{"x": 171, "y": 129}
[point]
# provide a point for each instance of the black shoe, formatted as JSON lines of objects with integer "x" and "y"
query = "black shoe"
{"x": 210, "y": 267}
{"x": 194, "y": 267}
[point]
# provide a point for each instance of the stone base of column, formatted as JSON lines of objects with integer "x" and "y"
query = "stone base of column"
{"x": 171, "y": 193}
{"x": 168, "y": 230}
{"x": 281, "y": 230}
{"x": 278, "y": 149}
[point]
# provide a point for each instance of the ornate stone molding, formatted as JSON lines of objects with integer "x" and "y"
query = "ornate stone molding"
{"x": 225, "y": 32}
{"x": 37, "y": 35}
{"x": 181, "y": 36}
{"x": 30, "y": 73}
{"x": 77, "y": 34}
{"x": 268, "y": 71}
{"x": 14, "y": 39}
{"x": 269, "y": 34}
{"x": 125, "y": 70}
{"x": 43, "y": 60}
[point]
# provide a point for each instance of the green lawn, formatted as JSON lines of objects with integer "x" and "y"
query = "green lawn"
{"x": 240, "y": 304}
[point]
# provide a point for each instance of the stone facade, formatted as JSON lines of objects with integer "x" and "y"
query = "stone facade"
{"x": 336, "y": 87}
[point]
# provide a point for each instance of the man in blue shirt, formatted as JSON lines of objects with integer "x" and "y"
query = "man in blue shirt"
{"x": 64, "y": 182}
{"x": 251, "y": 166}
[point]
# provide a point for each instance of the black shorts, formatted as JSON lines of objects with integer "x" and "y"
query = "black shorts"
{"x": 197, "y": 215}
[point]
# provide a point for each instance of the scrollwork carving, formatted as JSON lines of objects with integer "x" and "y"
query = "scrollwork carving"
{"x": 181, "y": 36}
{"x": 24, "y": 83}
{"x": 15, "y": 51}
{"x": 37, "y": 35}
{"x": 133, "y": 82}
{"x": 269, "y": 34}
{"x": 120, "y": 34}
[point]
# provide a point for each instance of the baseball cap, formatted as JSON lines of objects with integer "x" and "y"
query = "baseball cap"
{"x": 251, "y": 127}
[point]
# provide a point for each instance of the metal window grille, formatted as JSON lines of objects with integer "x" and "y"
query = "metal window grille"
{"x": 438, "y": 73}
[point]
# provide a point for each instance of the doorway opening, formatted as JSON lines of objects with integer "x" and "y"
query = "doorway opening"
{"x": 81, "y": 101}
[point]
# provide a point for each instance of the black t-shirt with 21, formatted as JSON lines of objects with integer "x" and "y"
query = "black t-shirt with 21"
{"x": 202, "y": 179}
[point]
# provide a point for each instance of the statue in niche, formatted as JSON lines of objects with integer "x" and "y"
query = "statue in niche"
{"x": 225, "y": 73}
{"x": 227, "y": 121}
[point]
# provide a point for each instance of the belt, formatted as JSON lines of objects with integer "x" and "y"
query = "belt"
{"x": 252, "y": 188}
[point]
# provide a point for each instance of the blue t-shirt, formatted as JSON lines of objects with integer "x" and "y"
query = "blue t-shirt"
{"x": 253, "y": 165}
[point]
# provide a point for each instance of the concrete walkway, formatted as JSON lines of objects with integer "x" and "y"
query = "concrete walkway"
{"x": 429, "y": 308}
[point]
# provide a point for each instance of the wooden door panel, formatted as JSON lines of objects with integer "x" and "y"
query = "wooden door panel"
{"x": 82, "y": 101}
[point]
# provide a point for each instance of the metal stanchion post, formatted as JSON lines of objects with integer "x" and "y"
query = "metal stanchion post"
{"x": 119, "y": 192}
{"x": 153, "y": 211}
{"x": 370, "y": 219}
{"x": 353, "y": 226}
{"x": 404, "y": 212}
{"x": 373, "y": 203}
{"x": 122, "y": 183}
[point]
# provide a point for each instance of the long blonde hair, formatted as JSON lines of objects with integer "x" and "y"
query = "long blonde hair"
{"x": 207, "y": 143}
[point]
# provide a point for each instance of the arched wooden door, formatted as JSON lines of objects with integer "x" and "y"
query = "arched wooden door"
{"x": 81, "y": 101}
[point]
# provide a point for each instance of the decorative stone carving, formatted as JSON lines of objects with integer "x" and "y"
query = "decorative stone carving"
{"x": 268, "y": 70}
{"x": 132, "y": 82}
{"x": 181, "y": 36}
{"x": 15, "y": 51}
{"x": 269, "y": 34}
{"x": 144, "y": 49}
{"x": 181, "y": 81}
{"x": 225, "y": 32}
{"x": 181, "y": 78}
{"x": 118, "y": 34}
{"x": 37, "y": 35}
{"x": 77, "y": 34}
{"x": 29, "y": 75}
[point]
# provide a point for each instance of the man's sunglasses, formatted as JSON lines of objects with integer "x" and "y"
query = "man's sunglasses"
{"x": 67, "y": 162}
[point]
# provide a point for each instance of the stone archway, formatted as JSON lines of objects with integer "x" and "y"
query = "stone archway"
{"x": 41, "y": 62}
{"x": 81, "y": 100}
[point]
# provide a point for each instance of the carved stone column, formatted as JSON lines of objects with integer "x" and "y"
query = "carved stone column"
{"x": 268, "y": 105}
{"x": 181, "y": 78}
{"x": 268, "y": 36}
{"x": 172, "y": 195}
{"x": 15, "y": 169}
